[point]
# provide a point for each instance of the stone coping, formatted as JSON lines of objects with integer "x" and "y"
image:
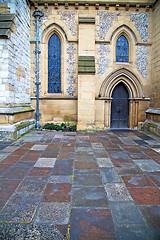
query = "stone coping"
{"x": 11, "y": 110}
{"x": 142, "y": 2}
{"x": 153, "y": 111}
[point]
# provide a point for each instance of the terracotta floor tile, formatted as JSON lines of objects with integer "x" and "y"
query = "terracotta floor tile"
{"x": 145, "y": 196}
{"x": 7, "y": 187}
{"x": 91, "y": 224}
{"x": 37, "y": 171}
{"x": 85, "y": 165}
{"x": 57, "y": 192}
{"x": 11, "y": 159}
{"x": 20, "y": 152}
{"x": 138, "y": 181}
{"x": 16, "y": 173}
{"x": 31, "y": 156}
{"x": 4, "y": 168}
{"x": 2, "y": 203}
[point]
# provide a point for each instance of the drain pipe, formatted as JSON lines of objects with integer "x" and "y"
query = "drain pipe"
{"x": 37, "y": 15}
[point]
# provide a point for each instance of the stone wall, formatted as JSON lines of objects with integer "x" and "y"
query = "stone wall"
{"x": 16, "y": 114}
{"x": 155, "y": 80}
{"x": 90, "y": 30}
{"x": 15, "y": 57}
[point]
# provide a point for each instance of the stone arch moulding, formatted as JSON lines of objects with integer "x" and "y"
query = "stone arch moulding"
{"x": 131, "y": 37}
{"x": 129, "y": 79}
{"x": 124, "y": 26}
{"x": 50, "y": 30}
{"x": 50, "y": 25}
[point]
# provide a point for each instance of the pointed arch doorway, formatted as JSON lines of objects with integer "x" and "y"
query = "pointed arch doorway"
{"x": 120, "y": 107}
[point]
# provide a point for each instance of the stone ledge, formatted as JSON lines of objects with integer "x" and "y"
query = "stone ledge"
{"x": 15, "y": 109}
{"x": 151, "y": 126}
{"x": 153, "y": 111}
{"x": 12, "y": 132}
{"x": 6, "y": 22}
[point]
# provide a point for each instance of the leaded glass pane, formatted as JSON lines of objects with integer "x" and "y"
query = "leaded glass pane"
{"x": 54, "y": 64}
{"x": 122, "y": 49}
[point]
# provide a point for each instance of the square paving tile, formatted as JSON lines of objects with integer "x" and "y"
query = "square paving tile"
{"x": 129, "y": 171}
{"x": 137, "y": 181}
{"x": 148, "y": 165}
{"x": 86, "y": 171}
{"x": 31, "y": 231}
{"x": 4, "y": 168}
{"x": 32, "y": 184}
{"x": 16, "y": 173}
{"x": 157, "y": 150}
{"x": 3, "y": 156}
{"x": 19, "y": 152}
{"x": 7, "y": 187}
{"x": 139, "y": 156}
{"x": 11, "y": 159}
{"x": 125, "y": 213}
{"x": 60, "y": 179}
{"x": 85, "y": 158}
{"x": 2, "y": 203}
{"x": 57, "y": 192}
{"x": 155, "y": 177}
{"x": 109, "y": 175}
{"x": 140, "y": 142}
{"x": 31, "y": 157}
{"x": 89, "y": 197}
{"x": 144, "y": 196}
{"x": 87, "y": 180}
{"x": 45, "y": 162}
{"x": 91, "y": 224}
{"x": 52, "y": 154}
{"x": 39, "y": 147}
{"x": 63, "y": 167}
{"x": 134, "y": 232}
{"x": 53, "y": 213}
{"x": 21, "y": 207}
{"x": 37, "y": 171}
{"x": 86, "y": 165}
{"x": 125, "y": 165}
{"x": 104, "y": 162}
{"x": 152, "y": 216}
{"x": 117, "y": 192}
{"x": 10, "y": 149}
{"x": 24, "y": 164}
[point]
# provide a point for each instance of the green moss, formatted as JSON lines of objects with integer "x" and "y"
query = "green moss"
{"x": 22, "y": 125}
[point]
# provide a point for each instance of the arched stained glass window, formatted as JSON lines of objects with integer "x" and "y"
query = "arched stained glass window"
{"x": 122, "y": 49}
{"x": 54, "y": 64}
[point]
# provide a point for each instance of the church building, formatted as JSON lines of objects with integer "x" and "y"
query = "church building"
{"x": 99, "y": 64}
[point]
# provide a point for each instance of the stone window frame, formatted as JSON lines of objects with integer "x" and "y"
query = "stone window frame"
{"x": 53, "y": 29}
{"x": 131, "y": 38}
{"x": 60, "y": 64}
{"x": 127, "y": 55}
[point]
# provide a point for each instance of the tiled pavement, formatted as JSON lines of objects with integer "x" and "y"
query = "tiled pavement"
{"x": 80, "y": 186}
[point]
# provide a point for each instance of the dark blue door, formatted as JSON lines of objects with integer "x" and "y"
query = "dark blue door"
{"x": 54, "y": 64}
{"x": 120, "y": 107}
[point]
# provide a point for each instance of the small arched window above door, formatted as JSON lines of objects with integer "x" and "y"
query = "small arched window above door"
{"x": 122, "y": 49}
{"x": 54, "y": 64}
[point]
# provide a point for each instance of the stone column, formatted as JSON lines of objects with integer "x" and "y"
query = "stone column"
{"x": 86, "y": 72}
{"x": 108, "y": 113}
